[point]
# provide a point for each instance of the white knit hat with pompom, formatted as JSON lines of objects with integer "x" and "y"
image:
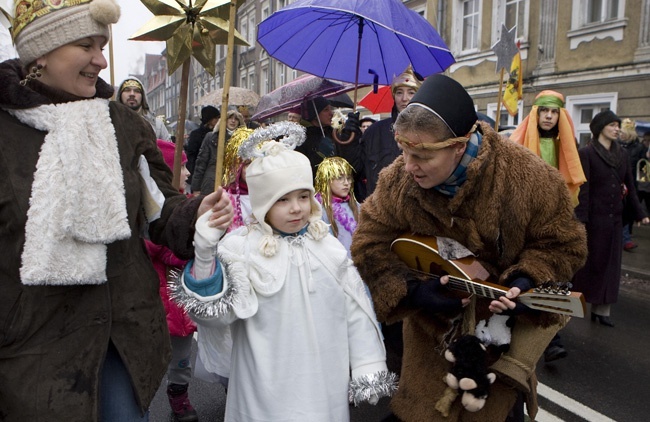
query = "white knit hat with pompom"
{"x": 40, "y": 29}
{"x": 277, "y": 172}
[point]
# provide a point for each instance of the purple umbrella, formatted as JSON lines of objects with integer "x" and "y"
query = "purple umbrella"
{"x": 327, "y": 37}
{"x": 293, "y": 94}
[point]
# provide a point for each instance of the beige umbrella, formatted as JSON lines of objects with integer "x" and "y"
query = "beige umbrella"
{"x": 237, "y": 96}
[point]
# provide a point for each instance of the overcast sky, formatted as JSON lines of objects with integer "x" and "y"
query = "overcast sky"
{"x": 128, "y": 55}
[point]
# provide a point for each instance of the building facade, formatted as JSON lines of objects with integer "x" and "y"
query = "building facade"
{"x": 595, "y": 52}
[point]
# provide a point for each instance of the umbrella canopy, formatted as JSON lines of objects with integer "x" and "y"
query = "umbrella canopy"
{"x": 292, "y": 95}
{"x": 327, "y": 37}
{"x": 236, "y": 96}
{"x": 381, "y": 102}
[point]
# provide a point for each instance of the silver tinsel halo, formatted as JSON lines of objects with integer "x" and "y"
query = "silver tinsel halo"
{"x": 289, "y": 133}
{"x": 380, "y": 384}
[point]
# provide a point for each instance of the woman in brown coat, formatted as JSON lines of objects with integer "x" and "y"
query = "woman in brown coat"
{"x": 83, "y": 335}
{"x": 501, "y": 202}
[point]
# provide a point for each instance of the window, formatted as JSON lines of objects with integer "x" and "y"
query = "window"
{"x": 265, "y": 81}
{"x": 511, "y": 13}
{"x": 265, "y": 10}
{"x": 251, "y": 37}
{"x": 466, "y": 27}
{"x": 601, "y": 10}
{"x": 596, "y": 19}
{"x": 505, "y": 119}
{"x": 582, "y": 109}
{"x": 280, "y": 74}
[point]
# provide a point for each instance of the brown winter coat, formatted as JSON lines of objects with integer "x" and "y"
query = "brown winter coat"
{"x": 515, "y": 214}
{"x": 53, "y": 339}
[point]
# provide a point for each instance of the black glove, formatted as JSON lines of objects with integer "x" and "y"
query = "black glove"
{"x": 352, "y": 125}
{"x": 429, "y": 296}
{"x": 524, "y": 284}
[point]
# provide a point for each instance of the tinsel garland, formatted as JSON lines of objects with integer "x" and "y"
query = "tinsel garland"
{"x": 341, "y": 216}
{"x": 379, "y": 384}
{"x": 195, "y": 306}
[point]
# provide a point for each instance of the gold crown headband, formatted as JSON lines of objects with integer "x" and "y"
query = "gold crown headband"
{"x": 132, "y": 83}
{"x": 26, "y": 11}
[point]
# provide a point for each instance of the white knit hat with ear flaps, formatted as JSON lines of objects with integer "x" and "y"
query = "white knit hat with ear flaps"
{"x": 277, "y": 172}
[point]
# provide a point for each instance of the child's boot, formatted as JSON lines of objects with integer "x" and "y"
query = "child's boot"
{"x": 180, "y": 403}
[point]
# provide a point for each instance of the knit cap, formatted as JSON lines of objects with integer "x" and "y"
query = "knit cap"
{"x": 168, "y": 149}
{"x": 275, "y": 171}
{"x": 313, "y": 106}
{"x": 43, "y": 26}
{"x": 601, "y": 120}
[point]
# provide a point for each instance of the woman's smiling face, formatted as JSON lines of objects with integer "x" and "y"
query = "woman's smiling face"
{"x": 74, "y": 67}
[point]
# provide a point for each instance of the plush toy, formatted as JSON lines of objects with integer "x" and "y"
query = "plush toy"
{"x": 469, "y": 371}
{"x": 495, "y": 331}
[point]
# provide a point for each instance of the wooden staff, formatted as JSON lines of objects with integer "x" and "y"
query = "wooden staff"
{"x": 496, "y": 121}
{"x": 180, "y": 127}
{"x": 224, "y": 97}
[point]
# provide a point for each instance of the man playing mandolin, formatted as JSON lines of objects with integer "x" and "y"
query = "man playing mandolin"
{"x": 458, "y": 182}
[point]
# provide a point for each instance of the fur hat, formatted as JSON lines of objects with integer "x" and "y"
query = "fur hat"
{"x": 314, "y": 106}
{"x": 601, "y": 120}
{"x": 208, "y": 113}
{"x": 168, "y": 149}
{"x": 40, "y": 27}
{"x": 407, "y": 79}
{"x": 448, "y": 100}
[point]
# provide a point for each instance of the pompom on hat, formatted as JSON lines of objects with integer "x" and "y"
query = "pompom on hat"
{"x": 448, "y": 100}
{"x": 41, "y": 26}
{"x": 601, "y": 120}
{"x": 275, "y": 171}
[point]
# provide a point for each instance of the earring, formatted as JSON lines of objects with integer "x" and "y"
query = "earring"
{"x": 36, "y": 73}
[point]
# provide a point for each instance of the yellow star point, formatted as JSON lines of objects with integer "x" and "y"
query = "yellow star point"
{"x": 189, "y": 29}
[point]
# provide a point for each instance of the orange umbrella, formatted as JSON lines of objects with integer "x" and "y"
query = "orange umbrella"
{"x": 381, "y": 102}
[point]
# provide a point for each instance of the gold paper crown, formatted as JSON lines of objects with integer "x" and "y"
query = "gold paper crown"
{"x": 407, "y": 79}
{"x": 132, "y": 83}
{"x": 26, "y": 11}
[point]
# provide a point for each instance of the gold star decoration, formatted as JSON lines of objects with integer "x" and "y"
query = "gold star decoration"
{"x": 189, "y": 29}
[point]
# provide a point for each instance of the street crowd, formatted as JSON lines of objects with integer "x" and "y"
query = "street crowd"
{"x": 285, "y": 268}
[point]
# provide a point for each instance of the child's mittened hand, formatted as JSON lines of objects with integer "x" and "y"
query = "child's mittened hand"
{"x": 206, "y": 237}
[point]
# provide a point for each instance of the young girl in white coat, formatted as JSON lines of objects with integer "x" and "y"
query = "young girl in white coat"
{"x": 305, "y": 337}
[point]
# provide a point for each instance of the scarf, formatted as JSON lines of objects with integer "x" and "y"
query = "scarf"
{"x": 527, "y": 134}
{"x": 342, "y": 217}
{"x": 612, "y": 156}
{"x": 450, "y": 186}
{"x": 77, "y": 203}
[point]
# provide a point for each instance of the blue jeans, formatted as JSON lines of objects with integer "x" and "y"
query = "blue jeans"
{"x": 116, "y": 394}
{"x": 627, "y": 235}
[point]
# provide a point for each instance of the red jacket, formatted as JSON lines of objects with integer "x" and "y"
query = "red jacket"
{"x": 178, "y": 321}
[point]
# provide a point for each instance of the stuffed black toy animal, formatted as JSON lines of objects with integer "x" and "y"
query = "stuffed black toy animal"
{"x": 469, "y": 372}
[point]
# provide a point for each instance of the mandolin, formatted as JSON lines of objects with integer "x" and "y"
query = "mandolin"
{"x": 467, "y": 275}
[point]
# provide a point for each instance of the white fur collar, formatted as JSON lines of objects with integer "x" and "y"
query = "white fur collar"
{"x": 77, "y": 204}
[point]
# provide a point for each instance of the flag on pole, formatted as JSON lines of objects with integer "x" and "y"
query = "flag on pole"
{"x": 514, "y": 87}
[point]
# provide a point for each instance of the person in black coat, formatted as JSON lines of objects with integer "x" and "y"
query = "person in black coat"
{"x": 601, "y": 206}
{"x": 209, "y": 118}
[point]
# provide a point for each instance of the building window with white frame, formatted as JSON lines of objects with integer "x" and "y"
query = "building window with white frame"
{"x": 505, "y": 119}
{"x": 466, "y": 27}
{"x": 583, "y": 108}
{"x": 511, "y": 13}
{"x": 592, "y": 19}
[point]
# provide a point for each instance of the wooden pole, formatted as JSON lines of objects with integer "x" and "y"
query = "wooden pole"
{"x": 110, "y": 58}
{"x": 224, "y": 97}
{"x": 496, "y": 121}
{"x": 180, "y": 127}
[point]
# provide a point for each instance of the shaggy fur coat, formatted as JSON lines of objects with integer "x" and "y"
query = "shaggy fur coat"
{"x": 53, "y": 339}
{"x": 515, "y": 214}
